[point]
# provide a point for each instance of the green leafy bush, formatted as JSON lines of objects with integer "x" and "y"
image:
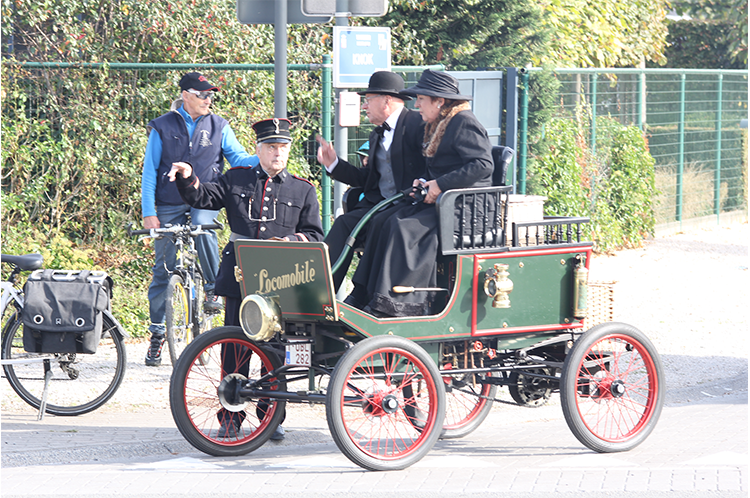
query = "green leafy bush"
{"x": 613, "y": 185}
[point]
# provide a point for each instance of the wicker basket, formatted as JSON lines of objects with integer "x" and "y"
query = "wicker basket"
{"x": 601, "y": 304}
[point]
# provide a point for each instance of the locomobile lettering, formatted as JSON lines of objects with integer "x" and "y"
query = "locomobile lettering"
{"x": 301, "y": 275}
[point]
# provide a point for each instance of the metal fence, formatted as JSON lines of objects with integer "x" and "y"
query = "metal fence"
{"x": 693, "y": 121}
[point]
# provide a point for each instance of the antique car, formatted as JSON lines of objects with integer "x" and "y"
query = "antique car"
{"x": 510, "y": 309}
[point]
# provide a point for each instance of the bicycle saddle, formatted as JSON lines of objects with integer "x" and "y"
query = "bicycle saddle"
{"x": 26, "y": 262}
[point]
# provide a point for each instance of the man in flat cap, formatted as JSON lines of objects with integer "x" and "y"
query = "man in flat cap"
{"x": 188, "y": 132}
{"x": 261, "y": 202}
{"x": 394, "y": 161}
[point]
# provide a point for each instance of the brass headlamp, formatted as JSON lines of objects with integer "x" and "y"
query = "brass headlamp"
{"x": 497, "y": 285}
{"x": 260, "y": 316}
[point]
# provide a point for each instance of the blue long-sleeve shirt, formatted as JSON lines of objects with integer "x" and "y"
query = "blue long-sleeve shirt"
{"x": 234, "y": 153}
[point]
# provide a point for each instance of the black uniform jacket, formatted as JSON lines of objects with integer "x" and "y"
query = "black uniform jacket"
{"x": 406, "y": 158}
{"x": 282, "y": 206}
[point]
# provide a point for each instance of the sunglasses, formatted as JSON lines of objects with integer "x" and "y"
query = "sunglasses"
{"x": 201, "y": 95}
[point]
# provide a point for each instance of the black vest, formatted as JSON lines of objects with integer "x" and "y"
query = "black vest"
{"x": 202, "y": 151}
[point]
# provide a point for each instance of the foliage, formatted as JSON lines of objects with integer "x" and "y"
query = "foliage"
{"x": 731, "y": 15}
{"x": 613, "y": 185}
{"x": 604, "y": 33}
{"x": 73, "y": 139}
{"x": 464, "y": 35}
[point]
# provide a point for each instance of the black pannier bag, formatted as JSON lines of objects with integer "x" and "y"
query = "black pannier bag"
{"x": 62, "y": 311}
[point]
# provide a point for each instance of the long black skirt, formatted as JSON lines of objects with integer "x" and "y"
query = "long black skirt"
{"x": 403, "y": 252}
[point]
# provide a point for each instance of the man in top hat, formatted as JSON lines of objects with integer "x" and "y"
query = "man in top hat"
{"x": 188, "y": 132}
{"x": 394, "y": 161}
{"x": 262, "y": 202}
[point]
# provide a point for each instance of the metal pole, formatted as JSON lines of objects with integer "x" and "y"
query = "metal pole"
{"x": 592, "y": 144}
{"x": 280, "y": 70}
{"x": 511, "y": 120}
{"x": 325, "y": 115}
{"x": 522, "y": 135}
{"x": 717, "y": 179}
{"x": 681, "y": 156}
{"x": 341, "y": 134}
{"x": 641, "y": 99}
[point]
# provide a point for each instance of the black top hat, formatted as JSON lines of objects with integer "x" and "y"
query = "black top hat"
{"x": 275, "y": 130}
{"x": 436, "y": 84}
{"x": 386, "y": 83}
{"x": 196, "y": 81}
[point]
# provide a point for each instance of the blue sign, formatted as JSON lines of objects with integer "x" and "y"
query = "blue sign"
{"x": 357, "y": 53}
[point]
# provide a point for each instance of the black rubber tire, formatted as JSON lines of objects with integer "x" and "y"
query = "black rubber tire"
{"x": 80, "y": 383}
{"x": 612, "y": 388}
{"x": 195, "y": 401}
{"x": 177, "y": 318}
{"x": 466, "y": 407}
{"x": 366, "y": 401}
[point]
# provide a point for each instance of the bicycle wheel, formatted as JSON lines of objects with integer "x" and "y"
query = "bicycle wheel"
{"x": 196, "y": 389}
{"x": 177, "y": 321}
{"x": 202, "y": 321}
{"x": 80, "y": 383}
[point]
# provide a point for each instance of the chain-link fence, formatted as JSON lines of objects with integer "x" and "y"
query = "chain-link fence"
{"x": 691, "y": 118}
{"x": 695, "y": 122}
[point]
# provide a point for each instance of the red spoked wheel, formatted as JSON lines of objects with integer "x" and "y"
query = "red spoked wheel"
{"x": 612, "y": 388}
{"x": 468, "y": 401}
{"x": 385, "y": 403}
{"x": 202, "y": 393}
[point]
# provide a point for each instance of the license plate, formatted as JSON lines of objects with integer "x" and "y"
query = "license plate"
{"x": 298, "y": 354}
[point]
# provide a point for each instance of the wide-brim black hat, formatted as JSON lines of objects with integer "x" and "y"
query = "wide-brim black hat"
{"x": 436, "y": 84}
{"x": 386, "y": 83}
{"x": 275, "y": 130}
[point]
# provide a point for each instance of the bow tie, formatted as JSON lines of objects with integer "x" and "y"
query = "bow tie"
{"x": 380, "y": 130}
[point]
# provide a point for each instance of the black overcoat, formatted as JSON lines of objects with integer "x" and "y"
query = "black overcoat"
{"x": 406, "y": 248}
{"x": 408, "y": 164}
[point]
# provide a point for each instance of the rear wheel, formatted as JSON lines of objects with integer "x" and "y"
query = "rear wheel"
{"x": 201, "y": 393}
{"x": 79, "y": 383}
{"x": 178, "y": 324}
{"x": 378, "y": 389}
{"x": 612, "y": 388}
{"x": 468, "y": 402}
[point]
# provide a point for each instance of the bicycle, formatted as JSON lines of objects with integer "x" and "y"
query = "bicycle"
{"x": 185, "y": 316}
{"x": 81, "y": 383}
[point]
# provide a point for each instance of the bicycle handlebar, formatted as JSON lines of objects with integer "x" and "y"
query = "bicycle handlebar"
{"x": 174, "y": 230}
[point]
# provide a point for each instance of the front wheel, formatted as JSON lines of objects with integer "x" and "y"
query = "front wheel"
{"x": 177, "y": 310}
{"x": 80, "y": 383}
{"x": 612, "y": 388}
{"x": 202, "y": 393}
{"x": 375, "y": 393}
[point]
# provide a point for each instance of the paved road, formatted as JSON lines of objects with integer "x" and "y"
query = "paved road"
{"x": 699, "y": 448}
{"x": 131, "y": 447}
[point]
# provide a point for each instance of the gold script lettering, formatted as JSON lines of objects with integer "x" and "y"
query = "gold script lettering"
{"x": 303, "y": 273}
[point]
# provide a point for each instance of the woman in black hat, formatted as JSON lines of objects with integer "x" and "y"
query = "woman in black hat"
{"x": 458, "y": 154}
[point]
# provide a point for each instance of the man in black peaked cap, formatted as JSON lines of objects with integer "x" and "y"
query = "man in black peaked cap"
{"x": 262, "y": 202}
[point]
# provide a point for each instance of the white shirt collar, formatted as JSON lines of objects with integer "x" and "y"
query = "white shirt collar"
{"x": 388, "y": 134}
